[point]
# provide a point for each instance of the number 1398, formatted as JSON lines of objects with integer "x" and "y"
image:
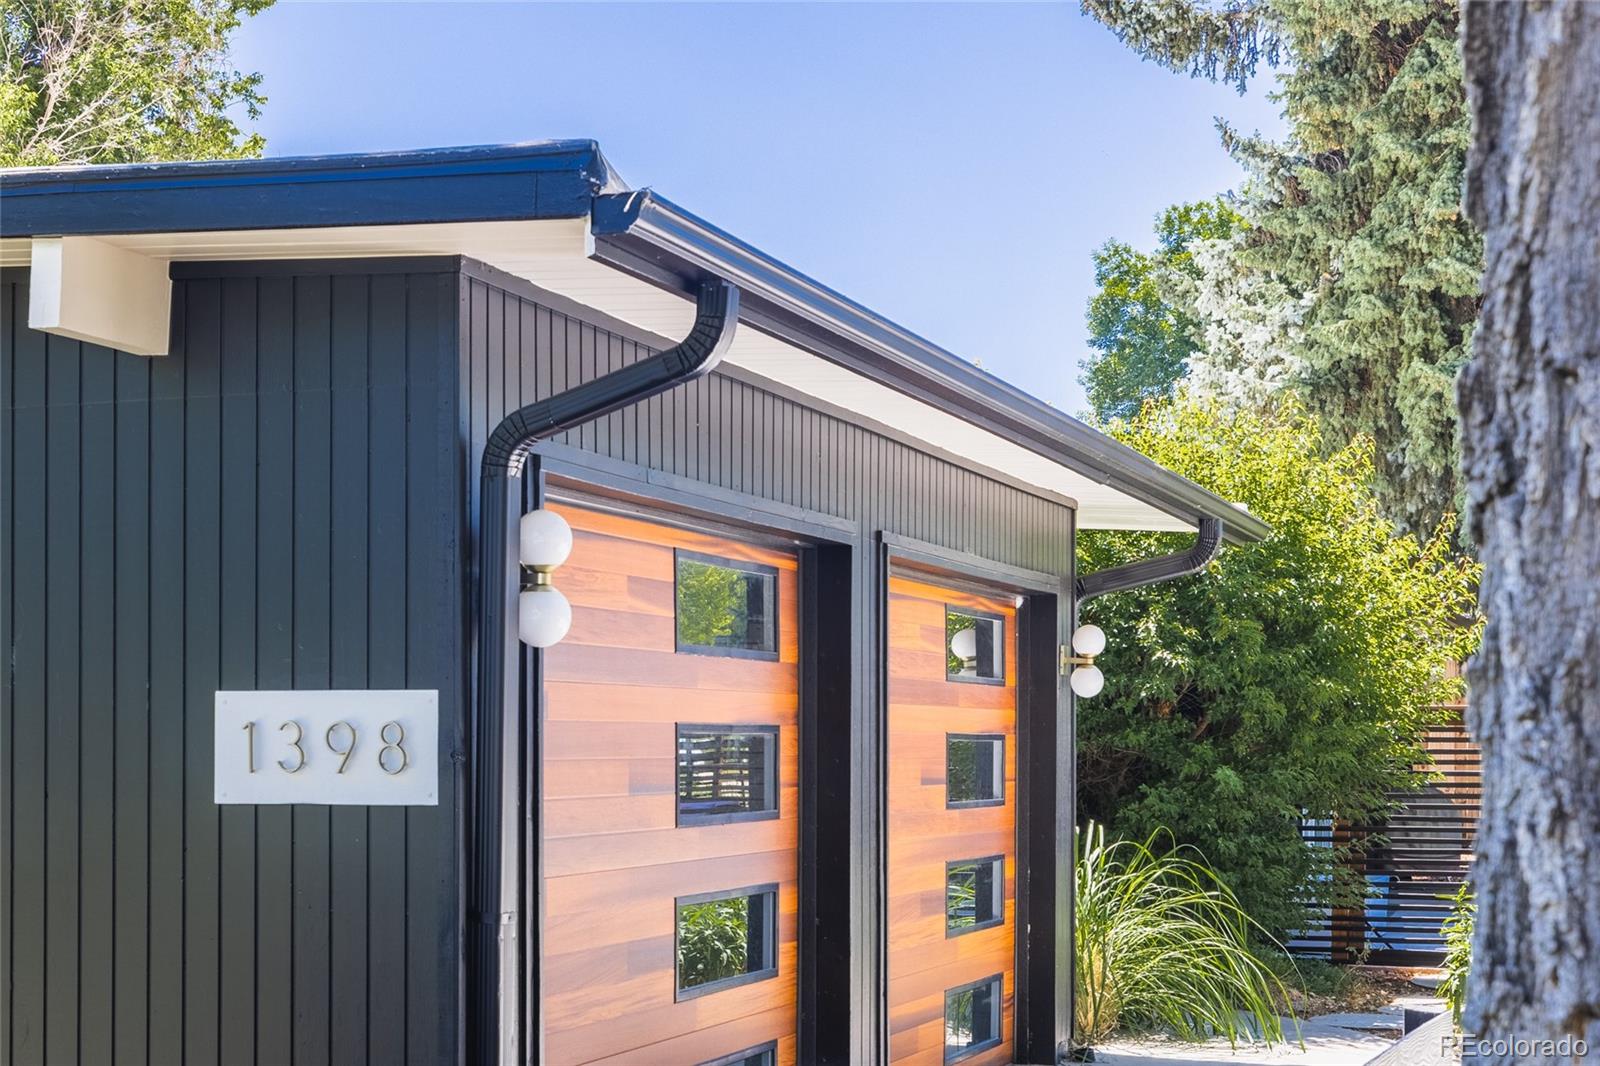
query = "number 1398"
{"x": 341, "y": 738}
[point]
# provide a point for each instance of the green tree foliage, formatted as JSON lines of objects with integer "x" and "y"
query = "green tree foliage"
{"x": 1357, "y": 212}
{"x": 1290, "y": 680}
{"x": 119, "y": 81}
{"x": 1142, "y": 338}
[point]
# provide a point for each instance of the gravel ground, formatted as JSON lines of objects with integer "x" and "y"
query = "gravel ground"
{"x": 1330, "y": 1040}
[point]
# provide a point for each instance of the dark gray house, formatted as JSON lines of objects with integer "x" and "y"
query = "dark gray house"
{"x": 295, "y": 450}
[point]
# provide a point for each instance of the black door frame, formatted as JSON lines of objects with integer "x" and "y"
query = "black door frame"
{"x": 1046, "y": 780}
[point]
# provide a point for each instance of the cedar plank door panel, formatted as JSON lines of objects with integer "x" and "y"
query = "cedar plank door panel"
{"x": 615, "y": 860}
{"x": 924, "y": 835}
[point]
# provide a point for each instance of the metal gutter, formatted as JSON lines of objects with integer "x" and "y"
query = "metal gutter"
{"x": 652, "y": 238}
{"x": 1207, "y": 543}
{"x": 491, "y": 948}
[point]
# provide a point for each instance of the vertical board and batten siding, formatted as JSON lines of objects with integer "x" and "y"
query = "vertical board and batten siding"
{"x": 733, "y": 434}
{"x": 274, "y": 505}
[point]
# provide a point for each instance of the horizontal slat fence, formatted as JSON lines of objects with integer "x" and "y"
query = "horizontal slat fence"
{"x": 1415, "y": 864}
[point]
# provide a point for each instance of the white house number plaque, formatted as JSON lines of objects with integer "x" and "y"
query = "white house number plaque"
{"x": 368, "y": 748}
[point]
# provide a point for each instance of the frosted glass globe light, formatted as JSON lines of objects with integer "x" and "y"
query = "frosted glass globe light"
{"x": 964, "y": 645}
{"x": 1087, "y": 681}
{"x": 1089, "y": 640}
{"x": 545, "y": 539}
{"x": 543, "y": 616}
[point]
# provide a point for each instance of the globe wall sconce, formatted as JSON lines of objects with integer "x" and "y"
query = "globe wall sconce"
{"x": 1084, "y": 676}
{"x": 543, "y": 613}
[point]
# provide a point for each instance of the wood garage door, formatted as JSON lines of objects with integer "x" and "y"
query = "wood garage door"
{"x": 631, "y": 707}
{"x": 952, "y": 825}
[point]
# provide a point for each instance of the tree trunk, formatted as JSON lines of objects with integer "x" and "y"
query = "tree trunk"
{"x": 1530, "y": 415}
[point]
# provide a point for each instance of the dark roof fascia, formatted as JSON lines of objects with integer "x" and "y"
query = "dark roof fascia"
{"x": 545, "y": 179}
{"x": 649, "y": 236}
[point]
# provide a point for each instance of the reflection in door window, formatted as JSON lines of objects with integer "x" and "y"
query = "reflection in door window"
{"x": 726, "y": 607}
{"x": 975, "y": 646}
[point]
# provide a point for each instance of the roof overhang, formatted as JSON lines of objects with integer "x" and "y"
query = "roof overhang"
{"x": 551, "y": 213}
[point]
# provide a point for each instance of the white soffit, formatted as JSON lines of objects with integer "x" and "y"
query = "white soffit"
{"x": 554, "y": 254}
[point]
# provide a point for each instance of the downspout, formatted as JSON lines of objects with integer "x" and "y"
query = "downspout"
{"x": 1193, "y": 559}
{"x": 1207, "y": 542}
{"x": 491, "y": 908}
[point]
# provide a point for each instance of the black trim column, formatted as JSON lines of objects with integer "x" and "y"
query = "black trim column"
{"x": 830, "y": 936}
{"x": 1044, "y": 833}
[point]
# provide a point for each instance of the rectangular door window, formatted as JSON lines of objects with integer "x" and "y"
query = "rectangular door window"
{"x": 974, "y": 894}
{"x": 971, "y": 1018}
{"x": 974, "y": 769}
{"x": 726, "y": 606}
{"x": 726, "y": 939}
{"x": 727, "y": 773}
{"x": 975, "y": 646}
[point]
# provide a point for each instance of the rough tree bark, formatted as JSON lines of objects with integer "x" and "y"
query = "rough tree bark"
{"x": 1530, "y": 407}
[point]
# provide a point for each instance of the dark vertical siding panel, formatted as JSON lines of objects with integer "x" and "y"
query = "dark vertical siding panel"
{"x": 348, "y": 669}
{"x": 98, "y": 784}
{"x": 598, "y": 363}
{"x": 587, "y": 433}
{"x": 167, "y": 548}
{"x": 512, "y": 328}
{"x": 27, "y": 750}
{"x": 435, "y": 658}
{"x": 607, "y": 440}
{"x": 237, "y": 662}
{"x": 544, "y": 353}
{"x": 529, "y": 324}
{"x": 8, "y": 328}
{"x": 786, "y": 469}
{"x": 385, "y": 1010}
{"x": 202, "y": 655}
{"x": 312, "y": 448}
{"x": 494, "y": 335}
{"x": 132, "y": 657}
{"x": 62, "y": 649}
{"x": 274, "y": 666}
{"x": 563, "y": 354}
{"x": 210, "y": 519}
{"x": 756, "y": 437}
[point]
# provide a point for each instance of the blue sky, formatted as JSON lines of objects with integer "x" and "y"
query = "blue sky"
{"x": 948, "y": 165}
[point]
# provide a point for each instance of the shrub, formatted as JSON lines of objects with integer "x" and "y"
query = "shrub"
{"x": 1292, "y": 680}
{"x": 1457, "y": 931}
{"x": 1161, "y": 943}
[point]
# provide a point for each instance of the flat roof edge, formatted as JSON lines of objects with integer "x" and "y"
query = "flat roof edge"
{"x": 540, "y": 179}
{"x": 647, "y": 234}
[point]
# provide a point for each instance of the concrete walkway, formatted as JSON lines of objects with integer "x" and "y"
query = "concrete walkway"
{"x": 1330, "y": 1040}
